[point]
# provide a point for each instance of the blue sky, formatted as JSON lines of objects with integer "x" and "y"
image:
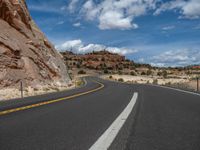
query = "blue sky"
{"x": 159, "y": 32}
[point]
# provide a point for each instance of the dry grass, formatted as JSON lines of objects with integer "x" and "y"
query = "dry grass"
{"x": 11, "y": 93}
{"x": 146, "y": 79}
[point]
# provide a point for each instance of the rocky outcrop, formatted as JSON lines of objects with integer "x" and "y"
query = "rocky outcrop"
{"x": 25, "y": 53}
{"x": 100, "y": 60}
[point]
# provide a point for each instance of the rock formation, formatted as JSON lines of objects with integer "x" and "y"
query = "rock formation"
{"x": 99, "y": 60}
{"x": 25, "y": 53}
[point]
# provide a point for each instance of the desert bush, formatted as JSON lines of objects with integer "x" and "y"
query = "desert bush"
{"x": 78, "y": 66}
{"x": 168, "y": 84}
{"x": 79, "y": 83}
{"x": 149, "y": 72}
{"x": 81, "y": 72}
{"x": 110, "y": 77}
{"x": 120, "y": 72}
{"x": 106, "y": 71}
{"x": 155, "y": 81}
{"x": 143, "y": 73}
{"x": 159, "y": 73}
{"x": 103, "y": 59}
{"x": 120, "y": 68}
{"x": 132, "y": 73}
{"x": 164, "y": 73}
{"x": 121, "y": 80}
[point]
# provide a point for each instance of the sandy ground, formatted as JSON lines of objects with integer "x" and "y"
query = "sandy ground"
{"x": 180, "y": 82}
{"x": 193, "y": 84}
{"x": 12, "y": 93}
{"x": 146, "y": 79}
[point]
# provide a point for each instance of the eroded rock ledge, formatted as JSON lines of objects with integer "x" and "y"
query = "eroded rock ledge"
{"x": 25, "y": 53}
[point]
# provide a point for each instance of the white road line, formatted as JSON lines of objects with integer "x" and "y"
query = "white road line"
{"x": 104, "y": 142}
{"x": 171, "y": 88}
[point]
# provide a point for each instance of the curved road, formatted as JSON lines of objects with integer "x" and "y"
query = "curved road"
{"x": 74, "y": 120}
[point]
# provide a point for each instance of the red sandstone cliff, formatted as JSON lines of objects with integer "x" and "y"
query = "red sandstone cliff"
{"x": 25, "y": 53}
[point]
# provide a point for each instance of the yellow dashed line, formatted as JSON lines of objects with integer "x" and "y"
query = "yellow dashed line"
{"x": 49, "y": 102}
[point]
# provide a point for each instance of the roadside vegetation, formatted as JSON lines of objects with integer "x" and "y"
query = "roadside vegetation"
{"x": 121, "y": 80}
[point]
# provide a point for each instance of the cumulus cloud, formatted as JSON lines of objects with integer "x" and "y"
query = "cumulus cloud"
{"x": 187, "y": 9}
{"x": 78, "y": 46}
{"x": 192, "y": 9}
{"x": 176, "y": 58}
{"x": 121, "y": 14}
{"x": 121, "y": 22}
{"x": 115, "y": 14}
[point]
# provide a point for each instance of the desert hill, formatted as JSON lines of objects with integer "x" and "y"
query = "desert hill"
{"x": 102, "y": 62}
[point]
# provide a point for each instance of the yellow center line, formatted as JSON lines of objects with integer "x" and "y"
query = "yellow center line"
{"x": 50, "y": 101}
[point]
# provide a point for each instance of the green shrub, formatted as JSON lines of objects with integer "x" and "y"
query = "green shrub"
{"x": 149, "y": 72}
{"x": 120, "y": 72}
{"x": 155, "y": 81}
{"x": 159, "y": 73}
{"x": 81, "y": 72}
{"x": 121, "y": 80}
{"x": 106, "y": 71}
{"x": 143, "y": 73}
{"x": 168, "y": 84}
{"x": 164, "y": 74}
{"x": 133, "y": 73}
{"x": 79, "y": 83}
{"x": 78, "y": 66}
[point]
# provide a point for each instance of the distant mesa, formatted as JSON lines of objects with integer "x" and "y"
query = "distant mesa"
{"x": 25, "y": 53}
{"x": 100, "y": 61}
{"x": 94, "y": 60}
{"x": 195, "y": 67}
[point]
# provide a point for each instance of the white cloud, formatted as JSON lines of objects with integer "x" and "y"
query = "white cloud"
{"x": 192, "y": 9}
{"x": 74, "y": 45}
{"x": 60, "y": 23}
{"x": 78, "y": 24}
{"x": 90, "y": 10}
{"x": 141, "y": 60}
{"x": 78, "y": 46}
{"x": 121, "y": 22}
{"x": 177, "y": 58}
{"x": 168, "y": 27}
{"x": 169, "y": 6}
{"x": 188, "y": 9}
{"x": 121, "y": 14}
{"x": 115, "y": 14}
{"x": 72, "y": 5}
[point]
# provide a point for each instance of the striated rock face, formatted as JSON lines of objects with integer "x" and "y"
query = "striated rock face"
{"x": 25, "y": 53}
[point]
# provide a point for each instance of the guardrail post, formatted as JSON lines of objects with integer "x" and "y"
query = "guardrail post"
{"x": 21, "y": 89}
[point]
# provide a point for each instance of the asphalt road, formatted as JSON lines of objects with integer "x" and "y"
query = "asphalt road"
{"x": 161, "y": 119}
{"x": 166, "y": 120}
